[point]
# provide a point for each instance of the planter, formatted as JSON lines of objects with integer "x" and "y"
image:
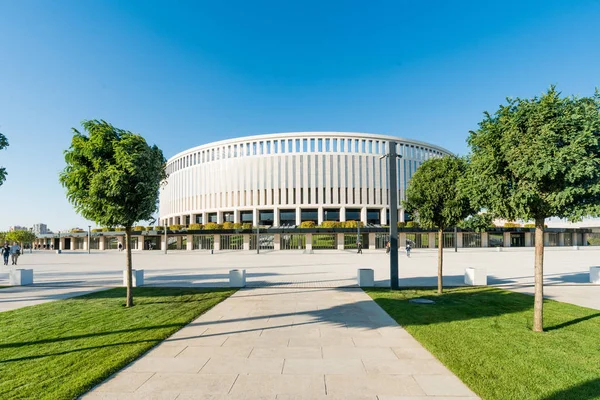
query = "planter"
{"x": 595, "y": 275}
{"x": 137, "y": 277}
{"x": 475, "y": 277}
{"x": 237, "y": 278}
{"x": 20, "y": 277}
{"x": 365, "y": 277}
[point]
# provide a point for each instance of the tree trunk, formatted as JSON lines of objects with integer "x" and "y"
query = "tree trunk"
{"x": 440, "y": 259}
{"x": 128, "y": 250}
{"x": 538, "y": 306}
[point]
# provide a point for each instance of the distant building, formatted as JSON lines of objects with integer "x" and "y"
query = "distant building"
{"x": 40, "y": 229}
{"x": 18, "y": 228}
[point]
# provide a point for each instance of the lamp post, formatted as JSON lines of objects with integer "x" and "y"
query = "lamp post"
{"x": 258, "y": 238}
{"x": 166, "y": 243}
{"x": 393, "y": 204}
{"x": 455, "y": 240}
{"x": 89, "y": 239}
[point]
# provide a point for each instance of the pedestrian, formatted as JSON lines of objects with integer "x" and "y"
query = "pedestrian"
{"x": 408, "y": 250}
{"x": 5, "y": 252}
{"x": 388, "y": 248}
{"x": 120, "y": 247}
{"x": 359, "y": 246}
{"x": 15, "y": 252}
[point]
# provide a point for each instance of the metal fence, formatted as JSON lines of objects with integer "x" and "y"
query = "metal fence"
{"x": 495, "y": 240}
{"x": 416, "y": 240}
{"x": 267, "y": 242}
{"x": 471, "y": 239}
{"x": 293, "y": 241}
{"x": 381, "y": 240}
{"x": 324, "y": 241}
{"x": 447, "y": 237}
{"x": 203, "y": 242}
{"x": 232, "y": 242}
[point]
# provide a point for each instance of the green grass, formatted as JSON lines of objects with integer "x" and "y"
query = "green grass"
{"x": 61, "y": 349}
{"x": 484, "y": 336}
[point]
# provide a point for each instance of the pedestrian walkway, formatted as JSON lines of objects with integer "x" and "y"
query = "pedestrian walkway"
{"x": 288, "y": 343}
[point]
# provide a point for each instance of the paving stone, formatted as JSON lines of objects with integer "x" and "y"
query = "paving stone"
{"x": 302, "y": 366}
{"x": 321, "y": 342}
{"x": 403, "y": 385}
{"x": 286, "y": 352}
{"x": 167, "y": 364}
{"x": 405, "y": 367}
{"x": 205, "y": 351}
{"x": 186, "y": 383}
{"x": 231, "y": 365}
{"x": 416, "y": 353}
{"x": 359, "y": 353}
{"x": 130, "y": 396}
{"x": 443, "y": 385}
{"x": 304, "y": 385}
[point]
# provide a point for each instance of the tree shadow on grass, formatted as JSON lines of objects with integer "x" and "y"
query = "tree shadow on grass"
{"x": 146, "y": 292}
{"x": 572, "y": 322}
{"x": 584, "y": 391}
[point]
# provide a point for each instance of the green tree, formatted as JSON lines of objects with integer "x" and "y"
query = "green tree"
{"x": 113, "y": 177}
{"x": 434, "y": 195}
{"x": 538, "y": 158}
{"x": 477, "y": 222}
{"x": 3, "y": 145}
{"x": 21, "y": 237}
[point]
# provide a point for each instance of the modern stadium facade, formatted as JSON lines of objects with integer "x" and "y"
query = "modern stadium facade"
{"x": 285, "y": 179}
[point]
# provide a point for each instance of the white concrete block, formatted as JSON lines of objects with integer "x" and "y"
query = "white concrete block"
{"x": 237, "y": 278}
{"x": 595, "y": 275}
{"x": 137, "y": 277}
{"x": 575, "y": 247}
{"x": 365, "y": 277}
{"x": 58, "y": 251}
{"x": 20, "y": 277}
{"x": 498, "y": 249}
{"x": 475, "y": 276}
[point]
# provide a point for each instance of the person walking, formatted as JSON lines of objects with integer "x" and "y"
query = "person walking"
{"x": 120, "y": 247}
{"x": 5, "y": 252}
{"x": 15, "y": 252}
{"x": 359, "y": 246}
{"x": 408, "y": 250}
{"x": 388, "y": 248}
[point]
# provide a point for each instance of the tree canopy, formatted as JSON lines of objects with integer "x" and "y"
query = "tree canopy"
{"x": 477, "y": 222}
{"x": 3, "y": 145}
{"x": 538, "y": 158}
{"x": 112, "y": 176}
{"x": 434, "y": 194}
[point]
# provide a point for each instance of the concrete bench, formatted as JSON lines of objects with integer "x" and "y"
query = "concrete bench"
{"x": 237, "y": 278}
{"x": 365, "y": 277}
{"x": 58, "y": 251}
{"x": 498, "y": 249}
{"x": 595, "y": 275}
{"x": 137, "y": 277}
{"x": 20, "y": 277}
{"x": 475, "y": 276}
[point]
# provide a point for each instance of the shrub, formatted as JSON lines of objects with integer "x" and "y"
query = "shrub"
{"x": 77, "y": 231}
{"x": 227, "y": 225}
{"x": 307, "y": 224}
{"x": 139, "y": 228}
{"x": 330, "y": 224}
{"x": 237, "y": 225}
{"x": 350, "y": 224}
{"x": 175, "y": 227}
{"x": 246, "y": 225}
{"x": 412, "y": 224}
{"x": 120, "y": 229}
{"x": 512, "y": 225}
{"x": 401, "y": 224}
{"x": 195, "y": 227}
{"x": 529, "y": 226}
{"x": 211, "y": 226}
{"x": 97, "y": 230}
{"x": 159, "y": 228}
{"x": 105, "y": 229}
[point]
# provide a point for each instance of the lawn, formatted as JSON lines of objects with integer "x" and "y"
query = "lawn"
{"x": 484, "y": 336}
{"x": 61, "y": 349}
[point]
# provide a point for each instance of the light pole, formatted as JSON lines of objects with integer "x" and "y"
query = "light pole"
{"x": 258, "y": 238}
{"x": 455, "y": 240}
{"x": 166, "y": 244}
{"x": 89, "y": 239}
{"x": 393, "y": 204}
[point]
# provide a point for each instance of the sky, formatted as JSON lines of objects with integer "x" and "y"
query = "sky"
{"x": 186, "y": 73}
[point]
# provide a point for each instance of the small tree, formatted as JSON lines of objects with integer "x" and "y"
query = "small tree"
{"x": 434, "y": 194}
{"x": 538, "y": 158}
{"x": 113, "y": 177}
{"x": 477, "y": 222}
{"x": 21, "y": 237}
{"x": 3, "y": 145}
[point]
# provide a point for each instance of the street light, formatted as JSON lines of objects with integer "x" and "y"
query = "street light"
{"x": 89, "y": 239}
{"x": 258, "y": 238}
{"x": 166, "y": 244}
{"x": 393, "y": 204}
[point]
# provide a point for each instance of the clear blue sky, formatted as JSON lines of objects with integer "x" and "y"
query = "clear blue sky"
{"x": 186, "y": 73}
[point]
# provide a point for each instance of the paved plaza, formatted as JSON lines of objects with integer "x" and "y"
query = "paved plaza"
{"x": 566, "y": 271}
{"x": 301, "y": 330}
{"x": 288, "y": 343}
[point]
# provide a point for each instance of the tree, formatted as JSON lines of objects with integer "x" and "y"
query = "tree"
{"x": 21, "y": 237}
{"x": 435, "y": 196}
{"x": 477, "y": 222}
{"x": 538, "y": 158}
{"x": 3, "y": 145}
{"x": 113, "y": 177}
